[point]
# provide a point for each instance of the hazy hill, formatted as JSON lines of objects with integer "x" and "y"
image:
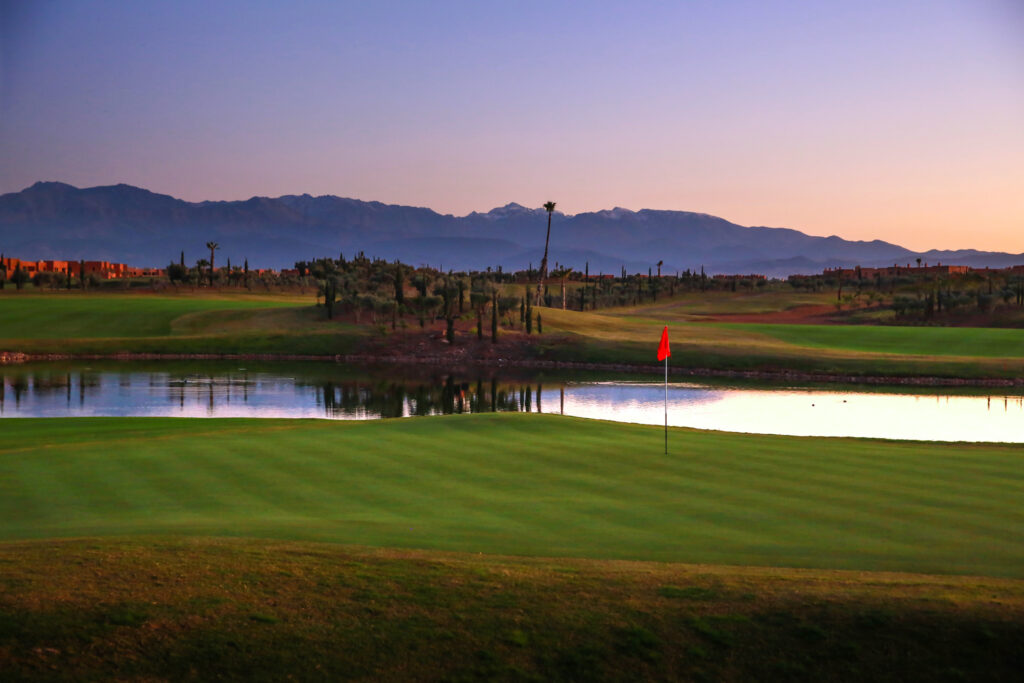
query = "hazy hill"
{"x": 130, "y": 224}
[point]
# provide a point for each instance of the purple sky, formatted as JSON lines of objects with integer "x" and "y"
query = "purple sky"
{"x": 900, "y": 120}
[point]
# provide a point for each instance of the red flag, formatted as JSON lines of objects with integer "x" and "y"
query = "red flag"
{"x": 663, "y": 350}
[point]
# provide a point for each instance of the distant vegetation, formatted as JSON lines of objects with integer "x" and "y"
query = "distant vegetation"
{"x": 835, "y": 323}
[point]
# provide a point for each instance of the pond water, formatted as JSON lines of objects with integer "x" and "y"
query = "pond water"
{"x": 338, "y": 392}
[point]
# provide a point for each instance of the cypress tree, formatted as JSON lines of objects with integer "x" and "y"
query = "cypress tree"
{"x": 529, "y": 315}
{"x": 540, "y": 326}
{"x": 494, "y": 317}
{"x": 586, "y": 283}
{"x": 399, "y": 285}
{"x": 329, "y": 298}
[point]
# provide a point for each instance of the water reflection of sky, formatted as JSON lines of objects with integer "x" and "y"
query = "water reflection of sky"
{"x": 810, "y": 412}
{"x": 805, "y": 412}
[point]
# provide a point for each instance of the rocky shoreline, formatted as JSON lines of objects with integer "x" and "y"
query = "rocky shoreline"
{"x": 17, "y": 358}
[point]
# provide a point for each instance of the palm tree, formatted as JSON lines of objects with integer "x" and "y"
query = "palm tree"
{"x": 212, "y": 246}
{"x": 562, "y": 273}
{"x": 549, "y": 207}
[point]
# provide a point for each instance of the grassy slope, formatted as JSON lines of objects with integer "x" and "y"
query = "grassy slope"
{"x": 523, "y": 484}
{"x": 727, "y": 303}
{"x": 631, "y": 335}
{"x": 930, "y": 341}
{"x": 214, "y": 609}
{"x": 222, "y": 322}
{"x": 71, "y": 316}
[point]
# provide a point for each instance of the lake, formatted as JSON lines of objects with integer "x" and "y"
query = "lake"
{"x": 314, "y": 390}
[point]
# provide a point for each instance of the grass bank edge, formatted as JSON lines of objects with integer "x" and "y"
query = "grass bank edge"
{"x": 557, "y": 348}
{"x": 245, "y": 609}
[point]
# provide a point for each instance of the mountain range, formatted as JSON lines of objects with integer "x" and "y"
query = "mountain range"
{"x": 122, "y": 223}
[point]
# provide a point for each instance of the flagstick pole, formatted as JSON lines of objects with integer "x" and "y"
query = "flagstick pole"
{"x": 666, "y": 405}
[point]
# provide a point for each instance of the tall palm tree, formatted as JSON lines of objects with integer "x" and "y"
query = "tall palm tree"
{"x": 550, "y": 207}
{"x": 212, "y": 246}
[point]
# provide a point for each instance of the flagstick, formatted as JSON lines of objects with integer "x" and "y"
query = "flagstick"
{"x": 666, "y": 405}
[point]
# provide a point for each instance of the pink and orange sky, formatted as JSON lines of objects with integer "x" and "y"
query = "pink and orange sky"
{"x": 900, "y": 120}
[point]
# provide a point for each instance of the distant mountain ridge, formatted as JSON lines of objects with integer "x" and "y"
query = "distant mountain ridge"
{"x": 133, "y": 225}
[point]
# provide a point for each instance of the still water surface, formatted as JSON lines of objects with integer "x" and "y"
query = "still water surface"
{"x": 338, "y": 392}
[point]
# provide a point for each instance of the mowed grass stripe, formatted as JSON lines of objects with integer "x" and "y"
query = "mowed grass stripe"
{"x": 488, "y": 494}
{"x": 857, "y": 492}
{"x": 386, "y": 473}
{"x": 939, "y": 341}
{"x": 525, "y": 484}
{"x": 71, "y": 316}
{"x": 859, "y": 486}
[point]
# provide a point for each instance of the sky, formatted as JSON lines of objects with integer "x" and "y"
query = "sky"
{"x": 900, "y": 120}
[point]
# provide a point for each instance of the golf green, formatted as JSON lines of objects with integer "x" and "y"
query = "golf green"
{"x": 523, "y": 484}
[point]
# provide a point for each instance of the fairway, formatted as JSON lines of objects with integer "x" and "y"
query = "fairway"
{"x": 77, "y": 316}
{"x": 523, "y": 485}
{"x": 932, "y": 341}
{"x": 629, "y": 335}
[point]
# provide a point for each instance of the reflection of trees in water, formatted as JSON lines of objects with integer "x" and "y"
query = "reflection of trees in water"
{"x": 441, "y": 396}
{"x": 43, "y": 384}
{"x": 346, "y": 396}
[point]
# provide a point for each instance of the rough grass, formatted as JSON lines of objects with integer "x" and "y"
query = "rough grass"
{"x": 698, "y": 304}
{"x": 523, "y": 484}
{"x": 203, "y": 609}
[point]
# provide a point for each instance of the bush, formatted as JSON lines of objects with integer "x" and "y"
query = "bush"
{"x": 51, "y": 280}
{"x": 906, "y": 305}
{"x": 985, "y": 301}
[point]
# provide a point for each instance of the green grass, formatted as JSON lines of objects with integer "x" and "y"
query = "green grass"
{"x": 216, "y": 609}
{"x": 928, "y": 341}
{"x": 632, "y": 336}
{"x": 76, "y": 316}
{"x": 525, "y": 485}
{"x": 189, "y": 323}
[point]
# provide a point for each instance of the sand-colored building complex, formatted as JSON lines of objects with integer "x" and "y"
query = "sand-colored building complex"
{"x": 104, "y": 270}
